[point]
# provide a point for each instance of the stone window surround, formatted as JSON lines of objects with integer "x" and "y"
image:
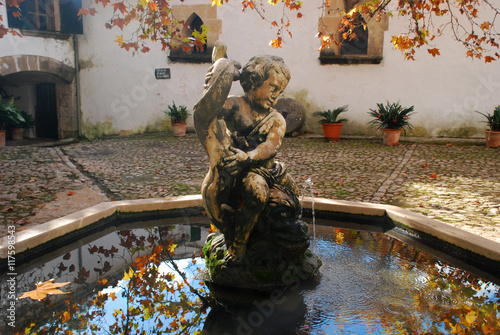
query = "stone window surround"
{"x": 208, "y": 14}
{"x": 329, "y": 24}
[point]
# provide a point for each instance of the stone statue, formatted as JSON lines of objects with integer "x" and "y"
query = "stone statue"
{"x": 247, "y": 194}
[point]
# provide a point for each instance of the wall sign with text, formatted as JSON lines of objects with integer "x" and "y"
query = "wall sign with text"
{"x": 162, "y": 73}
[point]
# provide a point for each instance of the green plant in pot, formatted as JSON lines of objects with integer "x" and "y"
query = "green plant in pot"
{"x": 493, "y": 133}
{"x": 19, "y": 126}
{"x": 10, "y": 116}
{"x": 331, "y": 122}
{"x": 391, "y": 118}
{"x": 178, "y": 116}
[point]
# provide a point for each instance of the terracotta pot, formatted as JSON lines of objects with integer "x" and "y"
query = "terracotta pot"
{"x": 391, "y": 136}
{"x": 179, "y": 129}
{"x": 17, "y": 133}
{"x": 492, "y": 138}
{"x": 332, "y": 131}
{"x": 2, "y": 138}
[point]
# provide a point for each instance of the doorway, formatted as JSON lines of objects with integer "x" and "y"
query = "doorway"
{"x": 46, "y": 111}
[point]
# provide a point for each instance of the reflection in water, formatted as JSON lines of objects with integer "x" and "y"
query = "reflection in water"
{"x": 125, "y": 282}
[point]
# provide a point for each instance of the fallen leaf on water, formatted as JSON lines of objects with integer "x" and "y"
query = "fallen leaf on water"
{"x": 70, "y": 193}
{"x": 44, "y": 289}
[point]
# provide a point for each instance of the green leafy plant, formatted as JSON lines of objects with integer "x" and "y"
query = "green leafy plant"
{"x": 28, "y": 121}
{"x": 177, "y": 114}
{"x": 493, "y": 120}
{"x": 331, "y": 116}
{"x": 9, "y": 114}
{"x": 391, "y": 116}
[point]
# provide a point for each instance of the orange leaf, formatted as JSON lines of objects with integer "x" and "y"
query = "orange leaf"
{"x": 425, "y": 165}
{"x": 433, "y": 175}
{"x": 188, "y": 166}
{"x": 43, "y": 289}
{"x": 488, "y": 59}
{"x": 70, "y": 193}
{"x": 83, "y": 12}
{"x": 434, "y": 52}
{"x": 120, "y": 6}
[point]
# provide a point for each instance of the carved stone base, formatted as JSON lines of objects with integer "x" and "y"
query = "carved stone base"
{"x": 277, "y": 259}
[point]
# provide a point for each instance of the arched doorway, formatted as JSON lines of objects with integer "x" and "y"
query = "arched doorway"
{"x": 44, "y": 88}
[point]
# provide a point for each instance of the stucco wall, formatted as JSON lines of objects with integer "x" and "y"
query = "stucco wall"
{"x": 58, "y": 49}
{"x": 120, "y": 92}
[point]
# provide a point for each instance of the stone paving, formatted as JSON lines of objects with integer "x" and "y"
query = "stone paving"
{"x": 456, "y": 182}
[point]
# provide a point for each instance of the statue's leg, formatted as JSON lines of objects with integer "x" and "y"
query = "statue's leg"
{"x": 255, "y": 194}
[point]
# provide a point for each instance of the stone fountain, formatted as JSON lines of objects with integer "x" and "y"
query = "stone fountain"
{"x": 248, "y": 195}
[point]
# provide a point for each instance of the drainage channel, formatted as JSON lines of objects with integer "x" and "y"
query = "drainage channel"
{"x": 382, "y": 190}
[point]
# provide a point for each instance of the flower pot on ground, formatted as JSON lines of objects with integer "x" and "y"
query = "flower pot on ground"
{"x": 493, "y": 133}
{"x": 391, "y": 136}
{"x": 492, "y": 138}
{"x": 17, "y": 133}
{"x": 10, "y": 116}
{"x": 391, "y": 118}
{"x": 178, "y": 116}
{"x": 332, "y": 125}
{"x": 2, "y": 138}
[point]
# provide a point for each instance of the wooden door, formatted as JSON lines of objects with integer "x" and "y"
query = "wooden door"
{"x": 46, "y": 111}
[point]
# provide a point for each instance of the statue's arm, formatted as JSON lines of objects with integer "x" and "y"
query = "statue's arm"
{"x": 217, "y": 86}
{"x": 270, "y": 146}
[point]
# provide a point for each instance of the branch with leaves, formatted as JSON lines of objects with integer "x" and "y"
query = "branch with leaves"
{"x": 473, "y": 23}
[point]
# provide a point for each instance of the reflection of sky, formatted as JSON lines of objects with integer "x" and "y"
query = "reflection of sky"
{"x": 185, "y": 265}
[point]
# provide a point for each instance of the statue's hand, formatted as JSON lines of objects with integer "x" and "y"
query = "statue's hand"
{"x": 236, "y": 72}
{"x": 233, "y": 164}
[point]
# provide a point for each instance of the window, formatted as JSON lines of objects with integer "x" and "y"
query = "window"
{"x": 195, "y": 16}
{"x": 359, "y": 44}
{"x": 365, "y": 48}
{"x": 194, "y": 23}
{"x": 47, "y": 15}
{"x": 41, "y": 15}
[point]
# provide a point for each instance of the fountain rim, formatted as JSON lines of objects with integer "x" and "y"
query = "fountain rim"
{"x": 57, "y": 228}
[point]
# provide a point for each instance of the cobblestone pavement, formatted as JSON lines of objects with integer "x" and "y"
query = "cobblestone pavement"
{"x": 455, "y": 182}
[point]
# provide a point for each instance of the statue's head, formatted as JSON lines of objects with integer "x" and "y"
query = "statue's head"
{"x": 264, "y": 78}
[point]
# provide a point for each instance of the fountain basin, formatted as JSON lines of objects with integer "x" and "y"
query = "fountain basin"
{"x": 445, "y": 239}
{"x": 355, "y": 281}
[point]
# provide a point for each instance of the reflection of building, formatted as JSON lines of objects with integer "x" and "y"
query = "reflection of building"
{"x": 75, "y": 79}
{"x": 106, "y": 255}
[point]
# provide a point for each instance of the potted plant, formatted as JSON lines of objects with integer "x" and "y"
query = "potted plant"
{"x": 331, "y": 123}
{"x": 9, "y": 115}
{"x": 20, "y": 126}
{"x": 178, "y": 116}
{"x": 492, "y": 134}
{"x": 391, "y": 118}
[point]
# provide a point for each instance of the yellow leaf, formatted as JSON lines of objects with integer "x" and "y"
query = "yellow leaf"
{"x": 66, "y": 317}
{"x": 128, "y": 275}
{"x": 43, "y": 289}
{"x": 470, "y": 318}
{"x": 119, "y": 40}
{"x": 171, "y": 248}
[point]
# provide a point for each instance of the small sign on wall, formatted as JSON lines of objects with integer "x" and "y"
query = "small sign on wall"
{"x": 162, "y": 73}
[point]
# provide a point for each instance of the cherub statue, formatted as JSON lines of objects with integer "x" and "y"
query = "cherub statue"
{"x": 242, "y": 135}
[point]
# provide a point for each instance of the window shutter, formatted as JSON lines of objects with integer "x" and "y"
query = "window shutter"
{"x": 70, "y": 22}
{"x": 19, "y": 22}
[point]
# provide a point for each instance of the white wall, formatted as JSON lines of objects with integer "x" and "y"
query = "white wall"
{"x": 445, "y": 90}
{"x": 61, "y": 50}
